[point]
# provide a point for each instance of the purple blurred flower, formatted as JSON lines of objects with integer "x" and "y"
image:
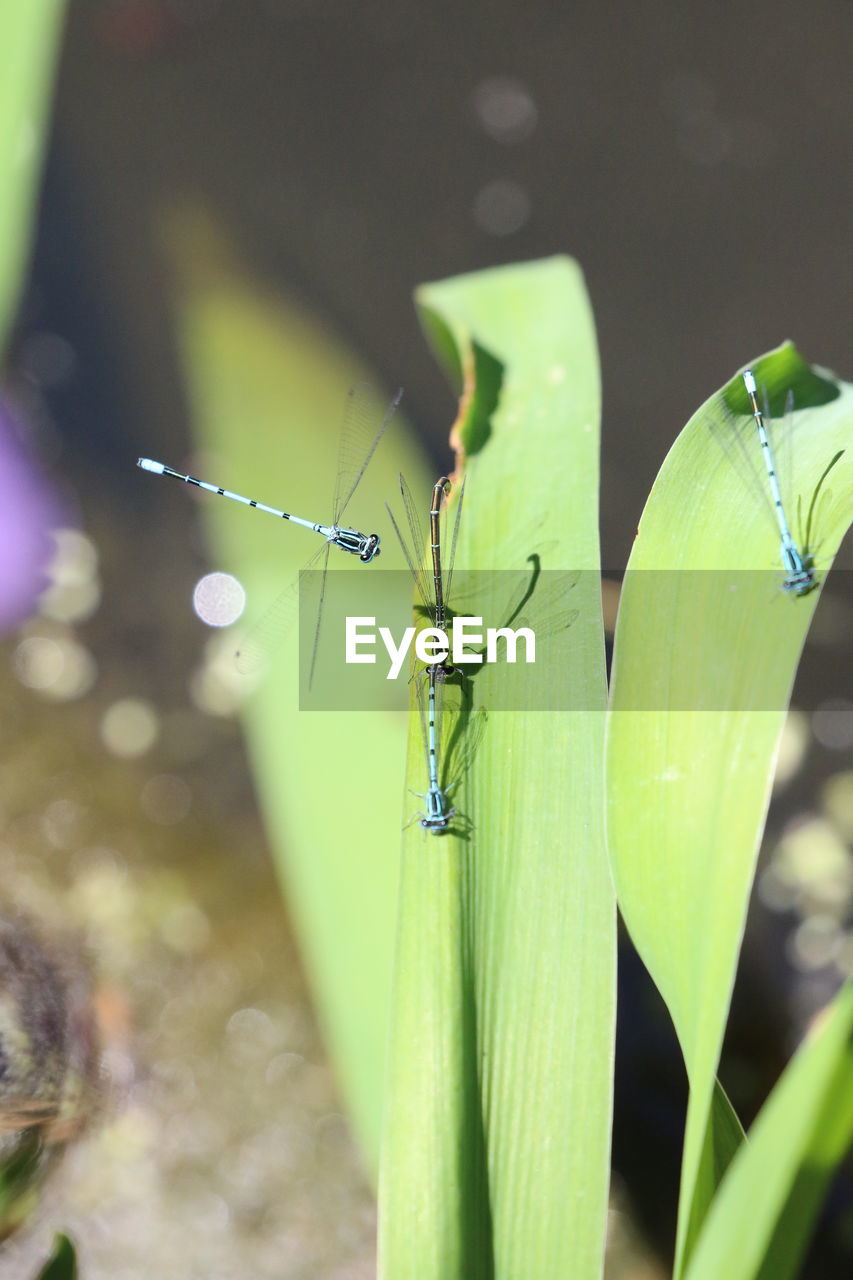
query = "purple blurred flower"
{"x": 29, "y": 510}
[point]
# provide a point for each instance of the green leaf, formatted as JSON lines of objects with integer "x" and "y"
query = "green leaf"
{"x": 29, "y": 35}
{"x": 723, "y": 1138}
{"x": 62, "y": 1263}
{"x": 22, "y": 1170}
{"x": 761, "y": 1218}
{"x": 267, "y": 385}
{"x": 705, "y": 655}
{"x": 496, "y": 1144}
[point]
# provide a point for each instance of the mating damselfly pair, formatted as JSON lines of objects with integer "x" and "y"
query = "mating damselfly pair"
{"x": 458, "y": 728}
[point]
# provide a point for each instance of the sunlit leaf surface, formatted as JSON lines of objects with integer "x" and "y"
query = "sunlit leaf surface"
{"x": 495, "y": 1157}
{"x": 707, "y": 646}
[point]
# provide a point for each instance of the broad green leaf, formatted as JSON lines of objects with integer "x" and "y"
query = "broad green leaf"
{"x": 29, "y": 34}
{"x": 495, "y": 1157}
{"x": 267, "y": 385}
{"x": 706, "y": 650}
{"x": 62, "y": 1263}
{"x": 761, "y": 1218}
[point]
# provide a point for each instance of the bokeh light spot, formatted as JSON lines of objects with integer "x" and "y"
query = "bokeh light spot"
{"x": 219, "y": 599}
{"x": 129, "y": 727}
{"x": 186, "y": 929}
{"x": 217, "y": 686}
{"x": 505, "y": 109}
{"x": 74, "y": 592}
{"x": 815, "y": 942}
{"x": 838, "y": 802}
{"x": 57, "y": 667}
{"x": 62, "y": 821}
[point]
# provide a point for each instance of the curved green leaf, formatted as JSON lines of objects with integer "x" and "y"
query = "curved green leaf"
{"x": 62, "y": 1263}
{"x": 722, "y": 1140}
{"x": 705, "y": 655}
{"x": 29, "y": 35}
{"x": 266, "y": 385}
{"x": 761, "y": 1218}
{"x": 496, "y": 1141}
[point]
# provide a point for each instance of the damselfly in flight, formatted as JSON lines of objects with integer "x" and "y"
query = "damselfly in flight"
{"x": 365, "y": 422}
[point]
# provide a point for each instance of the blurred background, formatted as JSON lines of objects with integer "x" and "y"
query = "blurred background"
{"x": 696, "y": 162}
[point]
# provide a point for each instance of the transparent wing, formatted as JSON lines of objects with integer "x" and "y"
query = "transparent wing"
{"x": 414, "y": 550}
{"x": 552, "y": 625}
{"x": 324, "y": 566}
{"x": 737, "y": 438}
{"x": 780, "y": 433}
{"x": 366, "y": 419}
{"x": 416, "y": 544}
{"x": 464, "y": 736}
{"x": 808, "y": 513}
{"x": 544, "y": 604}
{"x": 268, "y": 632}
{"x": 422, "y": 692}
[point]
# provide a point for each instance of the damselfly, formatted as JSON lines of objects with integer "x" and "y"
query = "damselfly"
{"x": 461, "y": 733}
{"x": 438, "y": 815}
{"x": 765, "y": 483}
{"x": 518, "y": 600}
{"x": 434, "y": 589}
{"x": 800, "y": 576}
{"x": 365, "y": 421}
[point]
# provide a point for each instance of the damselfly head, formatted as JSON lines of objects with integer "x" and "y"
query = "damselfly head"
{"x": 437, "y": 826}
{"x": 371, "y": 548}
{"x": 801, "y": 581}
{"x": 442, "y": 671}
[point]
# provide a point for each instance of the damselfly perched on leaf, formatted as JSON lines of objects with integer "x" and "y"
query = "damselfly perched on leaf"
{"x": 433, "y": 584}
{"x": 770, "y": 484}
{"x": 451, "y": 738}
